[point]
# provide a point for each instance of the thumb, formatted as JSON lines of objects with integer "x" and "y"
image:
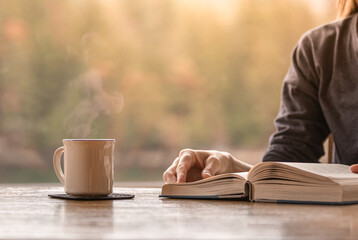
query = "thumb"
{"x": 354, "y": 168}
{"x": 212, "y": 165}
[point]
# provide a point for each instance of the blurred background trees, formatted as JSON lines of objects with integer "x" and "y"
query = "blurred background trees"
{"x": 157, "y": 76}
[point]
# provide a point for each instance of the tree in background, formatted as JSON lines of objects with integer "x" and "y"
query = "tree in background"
{"x": 156, "y": 75}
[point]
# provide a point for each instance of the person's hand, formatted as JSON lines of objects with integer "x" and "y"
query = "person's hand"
{"x": 192, "y": 165}
{"x": 354, "y": 168}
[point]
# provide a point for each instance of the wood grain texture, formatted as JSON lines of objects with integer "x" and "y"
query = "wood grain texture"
{"x": 26, "y": 212}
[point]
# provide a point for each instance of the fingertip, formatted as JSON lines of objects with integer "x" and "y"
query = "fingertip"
{"x": 169, "y": 177}
{"x": 181, "y": 178}
{"x": 354, "y": 168}
{"x": 206, "y": 174}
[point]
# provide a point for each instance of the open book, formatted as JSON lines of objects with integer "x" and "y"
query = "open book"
{"x": 276, "y": 182}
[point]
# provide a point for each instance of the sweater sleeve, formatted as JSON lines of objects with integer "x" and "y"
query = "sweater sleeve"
{"x": 300, "y": 125}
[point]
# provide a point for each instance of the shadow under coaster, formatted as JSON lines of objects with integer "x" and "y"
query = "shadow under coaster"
{"x": 112, "y": 196}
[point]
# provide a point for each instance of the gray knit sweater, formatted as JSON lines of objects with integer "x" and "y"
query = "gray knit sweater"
{"x": 320, "y": 96}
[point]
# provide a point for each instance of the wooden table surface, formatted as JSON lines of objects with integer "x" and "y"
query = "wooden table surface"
{"x": 26, "y": 212}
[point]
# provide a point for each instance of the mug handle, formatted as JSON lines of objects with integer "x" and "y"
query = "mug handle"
{"x": 57, "y": 163}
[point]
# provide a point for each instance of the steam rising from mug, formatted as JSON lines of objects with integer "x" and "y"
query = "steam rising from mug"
{"x": 96, "y": 103}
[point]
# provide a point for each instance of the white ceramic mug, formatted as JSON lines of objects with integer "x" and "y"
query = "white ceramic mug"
{"x": 88, "y": 166}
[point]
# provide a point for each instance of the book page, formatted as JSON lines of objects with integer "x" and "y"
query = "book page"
{"x": 315, "y": 182}
{"x": 229, "y": 185}
{"x": 335, "y": 171}
{"x": 241, "y": 175}
{"x": 244, "y": 175}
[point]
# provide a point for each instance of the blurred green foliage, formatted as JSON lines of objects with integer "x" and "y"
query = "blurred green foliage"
{"x": 154, "y": 75}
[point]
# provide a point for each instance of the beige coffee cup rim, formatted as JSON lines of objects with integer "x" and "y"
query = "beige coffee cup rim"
{"x": 79, "y": 139}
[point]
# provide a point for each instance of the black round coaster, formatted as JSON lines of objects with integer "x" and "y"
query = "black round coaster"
{"x": 112, "y": 196}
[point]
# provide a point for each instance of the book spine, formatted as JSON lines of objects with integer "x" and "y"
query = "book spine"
{"x": 248, "y": 190}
